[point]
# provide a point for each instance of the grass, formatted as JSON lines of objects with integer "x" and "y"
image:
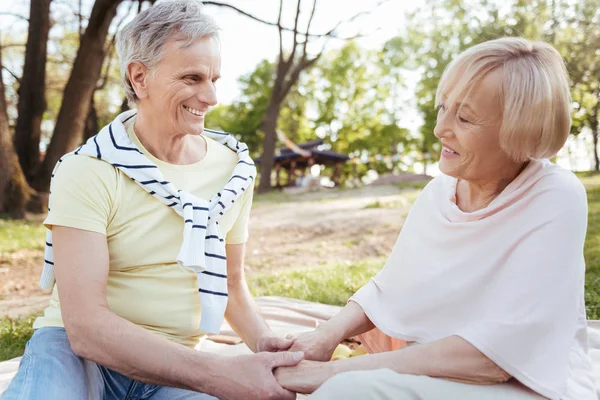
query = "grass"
{"x": 592, "y": 255}
{"x": 329, "y": 284}
{"x": 14, "y": 333}
{"x": 17, "y": 235}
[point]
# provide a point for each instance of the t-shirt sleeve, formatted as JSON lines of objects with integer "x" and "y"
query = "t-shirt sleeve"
{"x": 530, "y": 327}
{"x": 239, "y": 231}
{"x": 82, "y": 194}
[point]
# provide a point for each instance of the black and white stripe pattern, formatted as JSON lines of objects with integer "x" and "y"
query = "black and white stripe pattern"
{"x": 203, "y": 249}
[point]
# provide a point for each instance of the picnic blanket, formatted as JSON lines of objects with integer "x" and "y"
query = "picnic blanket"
{"x": 285, "y": 316}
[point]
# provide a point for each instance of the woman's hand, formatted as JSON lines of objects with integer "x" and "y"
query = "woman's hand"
{"x": 317, "y": 345}
{"x": 271, "y": 343}
{"x": 305, "y": 377}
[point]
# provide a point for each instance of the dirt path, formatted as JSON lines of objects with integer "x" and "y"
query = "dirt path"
{"x": 311, "y": 229}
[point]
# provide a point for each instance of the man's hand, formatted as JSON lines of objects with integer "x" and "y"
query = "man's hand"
{"x": 251, "y": 376}
{"x": 273, "y": 344}
{"x": 305, "y": 377}
{"x": 316, "y": 345}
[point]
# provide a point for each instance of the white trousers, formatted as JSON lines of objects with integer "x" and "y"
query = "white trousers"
{"x": 385, "y": 384}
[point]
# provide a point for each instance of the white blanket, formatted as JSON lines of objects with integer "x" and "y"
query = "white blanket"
{"x": 293, "y": 316}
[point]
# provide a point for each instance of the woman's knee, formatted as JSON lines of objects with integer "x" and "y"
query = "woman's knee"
{"x": 381, "y": 384}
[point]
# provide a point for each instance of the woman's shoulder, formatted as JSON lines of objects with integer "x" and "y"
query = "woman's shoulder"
{"x": 552, "y": 179}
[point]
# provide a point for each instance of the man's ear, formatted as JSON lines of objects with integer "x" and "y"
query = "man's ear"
{"x": 138, "y": 76}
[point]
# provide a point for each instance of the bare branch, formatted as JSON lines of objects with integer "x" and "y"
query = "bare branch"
{"x": 296, "y": 27}
{"x": 331, "y": 32}
{"x": 15, "y": 77}
{"x": 312, "y": 14}
{"x": 280, "y": 30}
{"x": 303, "y": 64}
{"x": 262, "y": 21}
{"x": 21, "y": 17}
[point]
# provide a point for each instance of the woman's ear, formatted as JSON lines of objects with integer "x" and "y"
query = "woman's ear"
{"x": 138, "y": 76}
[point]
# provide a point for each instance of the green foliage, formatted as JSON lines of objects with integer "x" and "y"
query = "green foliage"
{"x": 14, "y": 334}
{"x": 592, "y": 254}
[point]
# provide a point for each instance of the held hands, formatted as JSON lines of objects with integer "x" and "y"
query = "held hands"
{"x": 273, "y": 344}
{"x": 252, "y": 377}
{"x": 306, "y": 377}
{"x": 316, "y": 345}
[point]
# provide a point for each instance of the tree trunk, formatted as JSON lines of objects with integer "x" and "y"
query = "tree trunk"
{"x": 124, "y": 105}
{"x": 268, "y": 126}
{"x": 91, "y": 123}
{"x": 32, "y": 96}
{"x": 14, "y": 190}
{"x": 75, "y": 106}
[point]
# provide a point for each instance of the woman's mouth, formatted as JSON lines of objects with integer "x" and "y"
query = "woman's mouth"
{"x": 447, "y": 152}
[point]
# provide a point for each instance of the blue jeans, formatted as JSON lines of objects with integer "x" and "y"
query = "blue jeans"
{"x": 49, "y": 370}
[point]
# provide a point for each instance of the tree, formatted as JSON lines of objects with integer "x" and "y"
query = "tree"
{"x": 32, "y": 102}
{"x": 84, "y": 76}
{"x": 356, "y": 115}
{"x": 14, "y": 191}
{"x": 289, "y": 66}
{"x": 578, "y": 40}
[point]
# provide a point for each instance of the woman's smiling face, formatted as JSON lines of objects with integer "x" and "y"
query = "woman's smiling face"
{"x": 469, "y": 131}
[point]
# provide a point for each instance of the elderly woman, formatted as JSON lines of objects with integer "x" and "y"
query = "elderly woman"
{"x": 147, "y": 223}
{"x": 482, "y": 295}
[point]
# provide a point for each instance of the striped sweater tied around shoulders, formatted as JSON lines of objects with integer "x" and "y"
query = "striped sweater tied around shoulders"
{"x": 203, "y": 248}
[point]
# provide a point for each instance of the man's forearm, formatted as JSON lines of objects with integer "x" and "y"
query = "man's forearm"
{"x": 243, "y": 316}
{"x": 120, "y": 345}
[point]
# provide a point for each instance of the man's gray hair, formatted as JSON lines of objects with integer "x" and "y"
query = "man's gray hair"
{"x": 143, "y": 39}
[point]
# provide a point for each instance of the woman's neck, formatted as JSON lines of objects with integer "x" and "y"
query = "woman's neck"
{"x": 473, "y": 195}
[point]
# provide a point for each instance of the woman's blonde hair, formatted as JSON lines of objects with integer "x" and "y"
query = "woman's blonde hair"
{"x": 534, "y": 93}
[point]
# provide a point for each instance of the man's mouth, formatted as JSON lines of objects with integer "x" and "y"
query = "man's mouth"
{"x": 194, "y": 111}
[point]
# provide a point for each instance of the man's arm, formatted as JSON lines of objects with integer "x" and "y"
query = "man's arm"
{"x": 242, "y": 313}
{"x": 95, "y": 333}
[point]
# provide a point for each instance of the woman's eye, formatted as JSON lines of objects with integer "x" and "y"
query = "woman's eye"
{"x": 463, "y": 120}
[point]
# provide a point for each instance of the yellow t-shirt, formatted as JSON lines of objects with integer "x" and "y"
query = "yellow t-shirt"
{"x": 145, "y": 283}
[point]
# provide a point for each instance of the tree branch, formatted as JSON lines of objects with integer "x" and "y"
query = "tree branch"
{"x": 21, "y": 17}
{"x": 331, "y": 32}
{"x": 312, "y": 14}
{"x": 295, "y": 44}
{"x": 262, "y": 21}
{"x": 280, "y": 30}
{"x": 16, "y": 78}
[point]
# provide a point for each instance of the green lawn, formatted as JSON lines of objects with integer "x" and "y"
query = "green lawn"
{"x": 332, "y": 284}
{"x": 17, "y": 235}
{"x": 13, "y": 336}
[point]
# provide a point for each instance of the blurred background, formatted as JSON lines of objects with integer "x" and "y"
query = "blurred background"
{"x": 335, "y": 99}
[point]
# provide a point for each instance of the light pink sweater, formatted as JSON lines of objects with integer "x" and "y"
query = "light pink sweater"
{"x": 508, "y": 278}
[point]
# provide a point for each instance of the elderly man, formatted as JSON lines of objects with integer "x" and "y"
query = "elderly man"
{"x": 147, "y": 223}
